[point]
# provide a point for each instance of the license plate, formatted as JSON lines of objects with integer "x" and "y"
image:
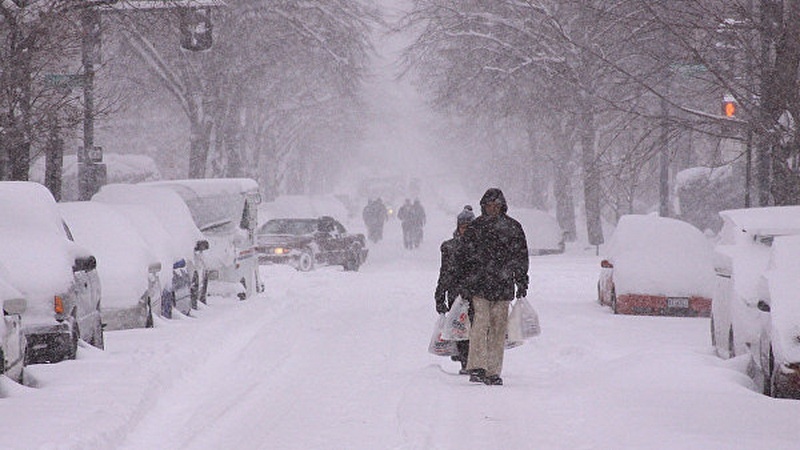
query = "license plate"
{"x": 677, "y": 302}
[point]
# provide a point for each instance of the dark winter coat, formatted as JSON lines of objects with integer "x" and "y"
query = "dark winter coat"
{"x": 494, "y": 254}
{"x": 450, "y": 281}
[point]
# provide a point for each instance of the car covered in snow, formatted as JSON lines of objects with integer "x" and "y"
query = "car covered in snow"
{"x": 127, "y": 267}
{"x": 308, "y": 243}
{"x": 12, "y": 338}
{"x": 777, "y": 350}
{"x": 164, "y": 221}
{"x": 657, "y": 266}
{"x": 57, "y": 277}
{"x": 755, "y": 296}
{"x": 542, "y": 231}
{"x": 226, "y": 212}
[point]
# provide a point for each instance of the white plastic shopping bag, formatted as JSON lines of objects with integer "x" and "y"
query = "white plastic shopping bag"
{"x": 514, "y": 331}
{"x": 456, "y": 321}
{"x": 438, "y": 345}
{"x": 523, "y": 321}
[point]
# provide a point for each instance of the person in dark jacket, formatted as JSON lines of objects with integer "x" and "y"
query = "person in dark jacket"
{"x": 449, "y": 285}
{"x": 493, "y": 260}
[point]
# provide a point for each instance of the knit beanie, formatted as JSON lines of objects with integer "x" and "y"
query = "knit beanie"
{"x": 465, "y": 216}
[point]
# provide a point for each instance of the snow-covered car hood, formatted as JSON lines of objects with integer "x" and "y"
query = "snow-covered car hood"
{"x": 41, "y": 266}
{"x": 783, "y": 283}
{"x": 660, "y": 256}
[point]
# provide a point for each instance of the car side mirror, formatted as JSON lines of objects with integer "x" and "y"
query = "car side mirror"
{"x": 763, "y": 306}
{"x": 606, "y": 264}
{"x": 15, "y": 306}
{"x": 154, "y": 267}
{"x": 201, "y": 246}
{"x": 86, "y": 264}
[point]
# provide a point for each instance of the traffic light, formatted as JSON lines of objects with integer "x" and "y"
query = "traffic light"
{"x": 196, "y": 28}
{"x": 729, "y": 106}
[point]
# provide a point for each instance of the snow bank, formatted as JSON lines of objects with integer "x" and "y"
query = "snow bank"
{"x": 121, "y": 168}
{"x": 541, "y": 229}
{"x": 660, "y": 256}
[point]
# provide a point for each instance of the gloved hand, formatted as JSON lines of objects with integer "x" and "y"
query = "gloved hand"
{"x": 441, "y": 307}
{"x": 522, "y": 291}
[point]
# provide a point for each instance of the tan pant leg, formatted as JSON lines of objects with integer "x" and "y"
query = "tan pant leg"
{"x": 496, "y": 338}
{"x": 478, "y": 334}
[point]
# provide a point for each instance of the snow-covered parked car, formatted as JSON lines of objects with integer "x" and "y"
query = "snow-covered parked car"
{"x": 657, "y": 266}
{"x": 57, "y": 276}
{"x": 749, "y": 305}
{"x": 12, "y": 338}
{"x": 777, "y": 351}
{"x": 544, "y": 235}
{"x": 127, "y": 267}
{"x": 226, "y": 211}
{"x": 164, "y": 221}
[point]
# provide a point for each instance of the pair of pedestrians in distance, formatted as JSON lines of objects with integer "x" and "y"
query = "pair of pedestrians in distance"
{"x": 412, "y": 220}
{"x": 486, "y": 264}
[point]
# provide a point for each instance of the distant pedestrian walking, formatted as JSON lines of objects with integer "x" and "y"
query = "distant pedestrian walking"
{"x": 404, "y": 214}
{"x": 375, "y": 216}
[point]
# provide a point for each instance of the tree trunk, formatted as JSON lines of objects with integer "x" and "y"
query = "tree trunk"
{"x": 54, "y": 161}
{"x": 200, "y": 143}
{"x": 565, "y": 206}
{"x": 591, "y": 180}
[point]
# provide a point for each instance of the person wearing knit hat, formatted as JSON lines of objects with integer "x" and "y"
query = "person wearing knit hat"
{"x": 492, "y": 262}
{"x": 448, "y": 287}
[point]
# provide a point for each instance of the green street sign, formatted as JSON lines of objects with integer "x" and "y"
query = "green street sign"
{"x": 63, "y": 80}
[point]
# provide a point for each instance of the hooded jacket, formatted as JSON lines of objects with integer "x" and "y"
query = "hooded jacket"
{"x": 493, "y": 256}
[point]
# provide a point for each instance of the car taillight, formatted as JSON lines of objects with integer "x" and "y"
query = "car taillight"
{"x": 58, "y": 305}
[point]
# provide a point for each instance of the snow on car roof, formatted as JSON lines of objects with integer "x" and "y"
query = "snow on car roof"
{"x": 655, "y": 255}
{"x": 211, "y": 186}
{"x": 30, "y": 206}
{"x": 212, "y": 202}
{"x": 784, "y": 296}
{"x": 771, "y": 220}
{"x": 121, "y": 252}
{"x": 164, "y": 203}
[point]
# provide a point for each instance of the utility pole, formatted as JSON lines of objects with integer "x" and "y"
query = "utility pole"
{"x": 91, "y": 170}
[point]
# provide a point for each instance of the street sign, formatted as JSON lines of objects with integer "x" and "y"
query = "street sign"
{"x": 94, "y": 155}
{"x": 64, "y": 81}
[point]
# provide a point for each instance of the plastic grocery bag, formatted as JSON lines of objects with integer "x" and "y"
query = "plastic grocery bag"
{"x": 523, "y": 322}
{"x": 456, "y": 321}
{"x": 438, "y": 345}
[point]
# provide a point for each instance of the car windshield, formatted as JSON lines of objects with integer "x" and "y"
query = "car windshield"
{"x": 295, "y": 227}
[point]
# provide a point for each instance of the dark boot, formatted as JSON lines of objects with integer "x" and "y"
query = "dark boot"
{"x": 493, "y": 380}
{"x": 477, "y": 375}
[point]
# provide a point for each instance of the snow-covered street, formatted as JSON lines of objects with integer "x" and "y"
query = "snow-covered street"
{"x": 334, "y": 359}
